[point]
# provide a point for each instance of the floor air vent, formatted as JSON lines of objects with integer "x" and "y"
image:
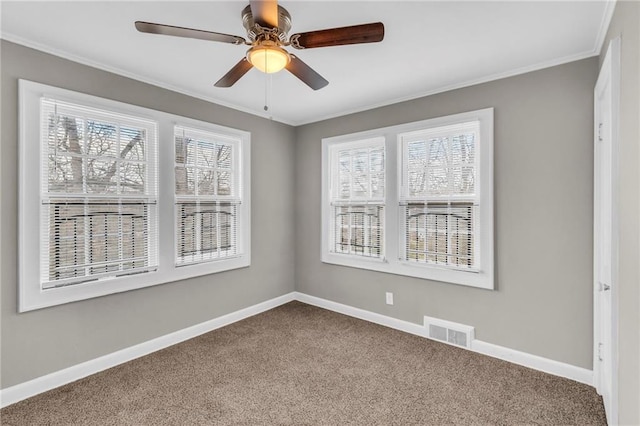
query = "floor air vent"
{"x": 449, "y": 332}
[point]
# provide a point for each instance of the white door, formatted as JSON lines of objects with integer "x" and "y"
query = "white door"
{"x": 606, "y": 231}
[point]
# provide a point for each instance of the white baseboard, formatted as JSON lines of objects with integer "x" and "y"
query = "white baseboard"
{"x": 33, "y": 387}
{"x": 362, "y": 314}
{"x": 535, "y": 362}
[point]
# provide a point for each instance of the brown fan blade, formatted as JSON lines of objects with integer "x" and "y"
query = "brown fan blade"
{"x": 265, "y": 12}
{"x": 234, "y": 74}
{"x": 150, "y": 27}
{"x": 356, "y": 34}
{"x": 305, "y": 73}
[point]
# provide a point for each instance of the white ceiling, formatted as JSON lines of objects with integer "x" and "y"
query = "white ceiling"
{"x": 428, "y": 47}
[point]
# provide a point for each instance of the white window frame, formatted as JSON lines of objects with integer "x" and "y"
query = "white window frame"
{"x": 483, "y": 276}
{"x": 236, "y": 197}
{"x": 31, "y": 294}
{"x": 90, "y": 201}
{"x": 366, "y": 201}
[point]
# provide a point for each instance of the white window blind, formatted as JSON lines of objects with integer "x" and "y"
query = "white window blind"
{"x": 208, "y": 196}
{"x": 357, "y": 174}
{"x": 99, "y": 194}
{"x": 439, "y": 200}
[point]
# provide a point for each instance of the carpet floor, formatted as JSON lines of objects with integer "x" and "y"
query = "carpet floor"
{"x": 298, "y": 364}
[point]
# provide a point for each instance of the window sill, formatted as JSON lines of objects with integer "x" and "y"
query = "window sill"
{"x": 471, "y": 278}
{"x": 31, "y": 299}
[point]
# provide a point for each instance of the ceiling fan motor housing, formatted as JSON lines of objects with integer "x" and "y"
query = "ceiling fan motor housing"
{"x": 256, "y": 32}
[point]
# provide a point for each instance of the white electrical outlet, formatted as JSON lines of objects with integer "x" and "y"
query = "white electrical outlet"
{"x": 389, "y": 298}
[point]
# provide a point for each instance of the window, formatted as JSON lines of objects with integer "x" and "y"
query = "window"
{"x": 207, "y": 195}
{"x": 357, "y": 198}
{"x": 436, "y": 193}
{"x": 438, "y": 201}
{"x": 98, "y": 194}
{"x": 93, "y": 197}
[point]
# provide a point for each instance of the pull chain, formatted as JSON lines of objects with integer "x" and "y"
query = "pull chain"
{"x": 266, "y": 84}
{"x": 266, "y": 92}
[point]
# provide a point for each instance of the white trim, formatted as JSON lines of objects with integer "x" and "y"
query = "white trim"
{"x": 420, "y": 94}
{"x": 609, "y": 75}
{"x": 36, "y": 386}
{"x": 474, "y": 82}
{"x": 535, "y": 362}
{"x": 118, "y": 71}
{"x": 604, "y": 26}
{"x": 397, "y": 324}
{"x": 42, "y": 384}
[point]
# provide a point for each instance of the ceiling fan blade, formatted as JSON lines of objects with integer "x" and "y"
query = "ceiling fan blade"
{"x": 234, "y": 74}
{"x": 305, "y": 73}
{"x": 356, "y": 34}
{"x": 150, "y": 27}
{"x": 265, "y": 12}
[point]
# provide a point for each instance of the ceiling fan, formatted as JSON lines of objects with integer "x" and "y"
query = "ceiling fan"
{"x": 267, "y": 26}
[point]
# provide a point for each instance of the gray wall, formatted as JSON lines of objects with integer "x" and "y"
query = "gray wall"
{"x": 543, "y": 205}
{"x": 543, "y": 217}
{"x": 43, "y": 341}
{"x": 626, "y": 24}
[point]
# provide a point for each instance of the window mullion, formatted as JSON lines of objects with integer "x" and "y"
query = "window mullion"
{"x": 218, "y": 238}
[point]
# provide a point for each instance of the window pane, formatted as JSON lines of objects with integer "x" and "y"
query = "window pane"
{"x": 84, "y": 156}
{"x": 344, "y": 174}
{"x": 101, "y": 176}
{"x": 132, "y": 143}
{"x": 205, "y": 182}
{"x": 360, "y": 179}
{"x": 132, "y": 177}
{"x": 185, "y": 181}
{"x": 101, "y": 139}
{"x": 463, "y": 180}
{"x": 416, "y": 168}
{"x": 65, "y": 174}
{"x": 206, "y": 231}
{"x": 377, "y": 173}
{"x": 438, "y": 179}
{"x": 359, "y": 173}
{"x": 359, "y": 230}
{"x": 441, "y": 166}
{"x": 417, "y": 182}
{"x": 224, "y": 156}
{"x": 181, "y": 149}
{"x": 438, "y": 152}
{"x": 207, "y": 154}
{"x": 96, "y": 237}
{"x": 463, "y": 150}
{"x": 65, "y": 134}
{"x": 440, "y": 234}
{"x": 224, "y": 183}
{"x": 191, "y": 147}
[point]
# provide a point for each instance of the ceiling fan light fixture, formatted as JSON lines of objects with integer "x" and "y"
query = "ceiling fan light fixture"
{"x": 268, "y": 58}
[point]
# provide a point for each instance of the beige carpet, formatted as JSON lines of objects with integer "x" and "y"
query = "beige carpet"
{"x": 299, "y": 364}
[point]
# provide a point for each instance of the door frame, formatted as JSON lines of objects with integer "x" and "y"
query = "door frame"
{"x": 609, "y": 74}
